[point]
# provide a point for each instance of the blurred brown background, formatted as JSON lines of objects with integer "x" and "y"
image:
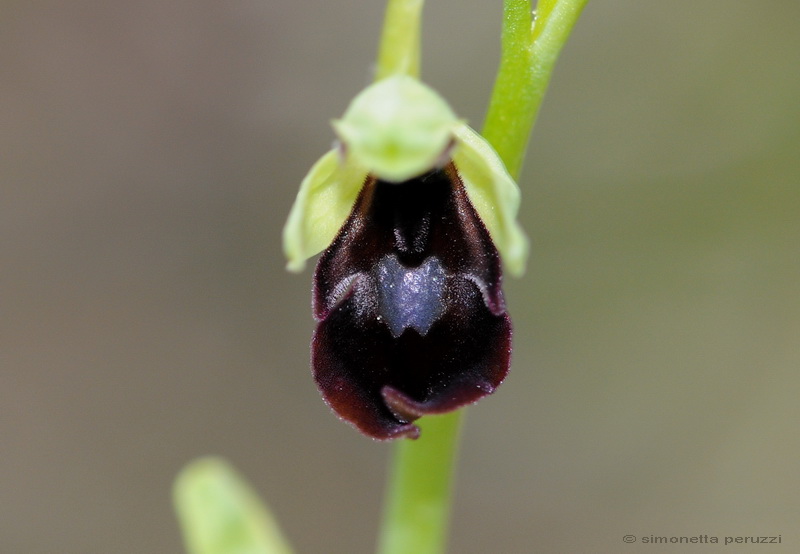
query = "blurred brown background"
{"x": 149, "y": 153}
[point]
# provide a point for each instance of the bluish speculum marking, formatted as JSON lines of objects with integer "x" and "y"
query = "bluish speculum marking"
{"x": 410, "y": 297}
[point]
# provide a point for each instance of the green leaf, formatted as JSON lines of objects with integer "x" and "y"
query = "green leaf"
{"x": 220, "y": 514}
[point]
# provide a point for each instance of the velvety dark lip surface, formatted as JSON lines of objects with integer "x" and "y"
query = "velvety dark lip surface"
{"x": 411, "y": 316}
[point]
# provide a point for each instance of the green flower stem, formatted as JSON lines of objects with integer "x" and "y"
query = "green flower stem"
{"x": 529, "y": 52}
{"x": 399, "y": 49}
{"x": 417, "y": 510}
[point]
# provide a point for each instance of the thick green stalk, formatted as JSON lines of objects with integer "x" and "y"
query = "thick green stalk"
{"x": 418, "y": 499}
{"x": 529, "y": 52}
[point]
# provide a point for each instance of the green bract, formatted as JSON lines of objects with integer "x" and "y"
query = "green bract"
{"x": 220, "y": 514}
{"x": 397, "y": 129}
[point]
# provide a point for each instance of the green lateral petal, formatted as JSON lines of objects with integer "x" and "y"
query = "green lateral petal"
{"x": 325, "y": 199}
{"x": 495, "y": 195}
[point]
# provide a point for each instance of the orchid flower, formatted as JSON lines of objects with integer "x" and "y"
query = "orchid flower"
{"x": 414, "y": 212}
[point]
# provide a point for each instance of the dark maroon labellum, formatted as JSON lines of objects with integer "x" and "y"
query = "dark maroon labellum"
{"x": 411, "y": 315}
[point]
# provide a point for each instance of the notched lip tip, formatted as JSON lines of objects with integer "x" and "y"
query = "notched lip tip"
{"x": 404, "y": 408}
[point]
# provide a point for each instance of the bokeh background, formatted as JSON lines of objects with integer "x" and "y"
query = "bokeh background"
{"x": 149, "y": 153}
